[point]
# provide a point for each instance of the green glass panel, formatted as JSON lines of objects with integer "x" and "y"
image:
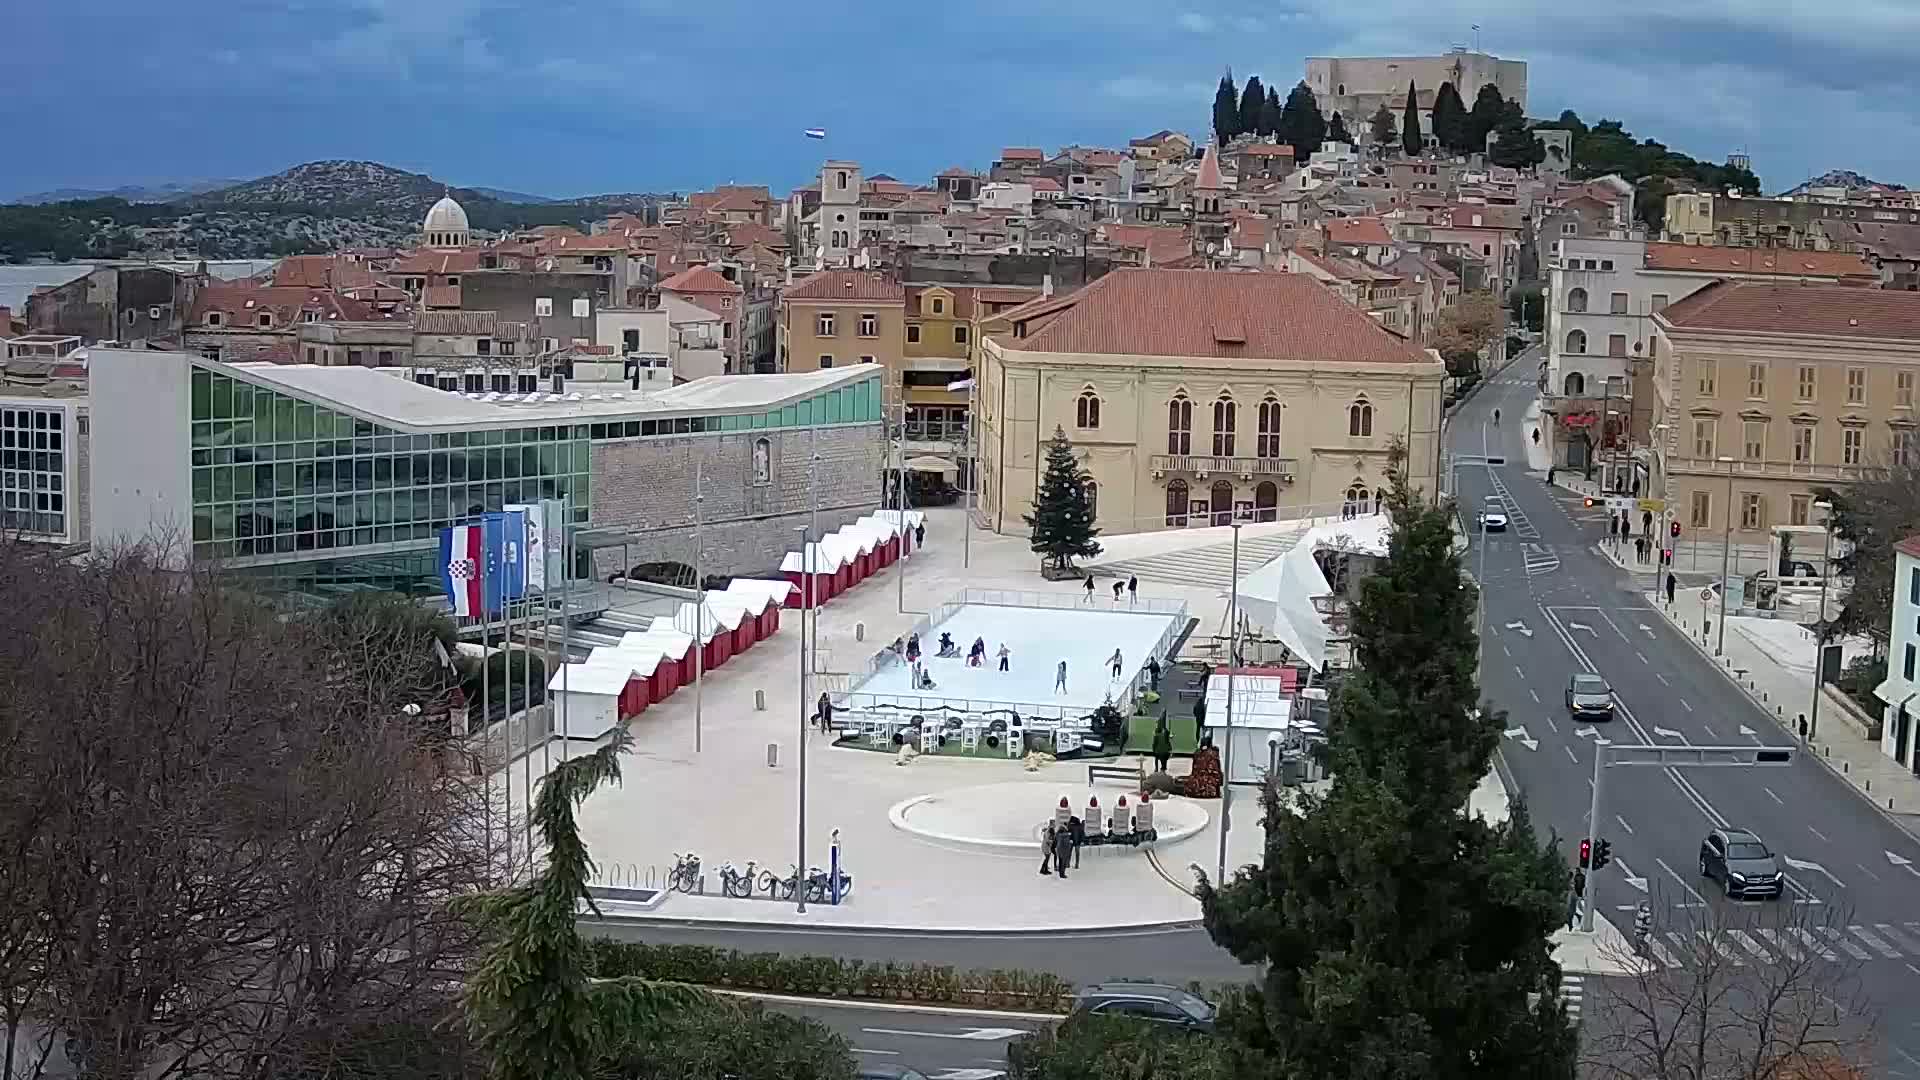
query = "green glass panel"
{"x": 303, "y": 420}
{"x": 223, "y": 483}
{"x": 202, "y": 526}
{"x": 222, "y": 397}
{"x": 202, "y": 394}
{"x": 202, "y": 488}
{"x": 263, "y": 417}
{"x": 581, "y": 458}
{"x": 203, "y": 434}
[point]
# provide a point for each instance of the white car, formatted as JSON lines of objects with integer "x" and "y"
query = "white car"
{"x": 1493, "y": 518}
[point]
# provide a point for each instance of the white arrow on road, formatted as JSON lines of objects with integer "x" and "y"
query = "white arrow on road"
{"x": 1586, "y": 732}
{"x": 1648, "y": 629}
{"x": 1571, "y": 626}
{"x": 971, "y": 1034}
{"x": 1520, "y": 628}
{"x": 1637, "y": 882}
{"x": 1747, "y": 731}
{"x": 1798, "y": 864}
{"x": 1903, "y": 863}
{"x": 1525, "y": 740}
{"x": 1668, "y": 733}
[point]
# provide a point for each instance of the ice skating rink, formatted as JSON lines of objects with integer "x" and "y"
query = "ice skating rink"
{"x": 1037, "y": 640}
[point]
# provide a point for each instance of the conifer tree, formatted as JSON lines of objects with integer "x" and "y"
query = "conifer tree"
{"x": 1411, "y": 141}
{"x": 1253, "y": 102}
{"x": 1270, "y": 116}
{"x": 1301, "y": 125}
{"x": 1450, "y": 118}
{"x": 1488, "y": 107}
{"x": 1337, "y": 130}
{"x": 1226, "y": 110}
{"x": 1385, "y": 131}
{"x": 1062, "y": 518}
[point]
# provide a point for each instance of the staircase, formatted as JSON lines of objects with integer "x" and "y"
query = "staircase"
{"x": 1211, "y": 565}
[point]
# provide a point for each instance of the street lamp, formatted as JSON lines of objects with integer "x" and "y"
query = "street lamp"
{"x": 806, "y": 609}
{"x": 1480, "y": 584}
{"x": 1726, "y": 558}
{"x": 1819, "y": 634}
{"x": 1226, "y": 752}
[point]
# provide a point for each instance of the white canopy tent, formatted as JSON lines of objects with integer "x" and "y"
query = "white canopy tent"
{"x": 767, "y": 592}
{"x": 1279, "y": 596}
{"x": 1263, "y": 719}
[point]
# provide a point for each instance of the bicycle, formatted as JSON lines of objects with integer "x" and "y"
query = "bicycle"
{"x": 735, "y": 883}
{"x": 819, "y": 884}
{"x": 685, "y": 875}
{"x": 779, "y": 888}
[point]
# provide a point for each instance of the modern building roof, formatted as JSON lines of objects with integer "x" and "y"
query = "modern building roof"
{"x": 1216, "y": 314}
{"x": 1910, "y": 546}
{"x": 1709, "y": 259}
{"x": 829, "y": 286}
{"x": 1799, "y": 309}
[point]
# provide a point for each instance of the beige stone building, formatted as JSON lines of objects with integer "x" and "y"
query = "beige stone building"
{"x": 837, "y": 318}
{"x": 1194, "y": 394}
{"x": 1768, "y": 391}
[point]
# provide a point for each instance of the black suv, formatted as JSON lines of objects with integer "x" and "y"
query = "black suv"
{"x": 1146, "y": 1001}
{"x": 1741, "y": 863}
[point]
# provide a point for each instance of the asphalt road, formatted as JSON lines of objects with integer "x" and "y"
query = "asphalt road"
{"x": 943, "y": 1044}
{"x": 1555, "y": 607}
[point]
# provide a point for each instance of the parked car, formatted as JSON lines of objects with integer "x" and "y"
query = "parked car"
{"x": 1742, "y": 864}
{"x": 1589, "y": 697}
{"x": 1156, "y": 1002}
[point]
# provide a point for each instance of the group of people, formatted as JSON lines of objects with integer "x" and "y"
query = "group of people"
{"x": 1131, "y": 587}
{"x": 1060, "y": 846}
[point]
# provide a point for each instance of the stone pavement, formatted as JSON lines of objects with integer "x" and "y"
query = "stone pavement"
{"x": 1783, "y": 684}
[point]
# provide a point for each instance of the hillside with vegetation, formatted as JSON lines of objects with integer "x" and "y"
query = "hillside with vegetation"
{"x": 318, "y": 206}
{"x": 1655, "y": 169}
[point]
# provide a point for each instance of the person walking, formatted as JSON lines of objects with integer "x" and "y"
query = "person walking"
{"x": 1536, "y": 436}
{"x": 1642, "y": 927}
{"x": 1671, "y": 584}
{"x": 1046, "y": 848}
{"x": 1060, "y": 678}
{"x": 1646, "y": 523}
{"x": 1162, "y": 746}
{"x": 1133, "y": 589}
{"x": 1153, "y": 673}
{"x": 1062, "y": 851}
{"x": 920, "y": 535}
{"x": 826, "y": 713}
{"x": 1003, "y": 656}
{"x": 1114, "y": 662}
{"x": 1613, "y": 529}
{"x": 1089, "y": 588}
{"x": 1550, "y": 472}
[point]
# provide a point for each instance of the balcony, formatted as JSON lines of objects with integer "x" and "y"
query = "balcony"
{"x": 935, "y": 431}
{"x": 1772, "y": 469}
{"x": 1197, "y": 465}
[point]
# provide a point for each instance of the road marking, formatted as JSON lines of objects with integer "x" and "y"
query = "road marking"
{"x": 1844, "y": 942}
{"x": 1588, "y": 732}
{"x": 1813, "y": 944}
{"x": 888, "y": 1006}
{"x": 1662, "y": 678}
{"x": 884, "y": 1053}
{"x": 1517, "y": 671}
{"x": 1648, "y": 629}
{"x": 1532, "y": 694}
{"x": 1899, "y": 939}
{"x": 1771, "y": 795}
{"x": 1779, "y": 942}
{"x": 1749, "y": 733}
{"x": 1623, "y": 825}
{"x": 1520, "y": 735}
{"x": 1572, "y": 626}
{"x": 1817, "y": 834}
{"x": 1573, "y": 757}
{"x": 1507, "y": 651}
{"x": 1641, "y": 655}
{"x": 1713, "y": 944}
{"x": 1741, "y": 939}
{"x": 1799, "y": 864}
{"x": 969, "y": 1035}
{"x": 1877, "y": 945}
{"x": 1869, "y": 873}
{"x": 968, "y": 1074}
{"x": 1520, "y": 628}
{"x": 1627, "y": 871}
{"x": 1684, "y": 705}
{"x": 1903, "y": 863}
{"x": 1669, "y": 733}
{"x": 1683, "y": 881}
{"x": 1709, "y": 731}
{"x": 1554, "y": 726}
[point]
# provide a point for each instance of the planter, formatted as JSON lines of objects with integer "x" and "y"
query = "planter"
{"x": 1863, "y": 724}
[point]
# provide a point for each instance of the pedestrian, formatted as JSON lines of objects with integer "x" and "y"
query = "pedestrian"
{"x": 1153, "y": 673}
{"x": 1133, "y": 589}
{"x": 1089, "y": 588}
{"x": 913, "y": 648}
{"x": 826, "y": 713}
{"x": 1076, "y": 838}
{"x": 1646, "y": 522}
{"x": 1642, "y": 926}
{"x": 1060, "y": 678}
{"x": 1162, "y": 746}
{"x": 1003, "y": 656}
{"x": 1062, "y": 846}
{"x": 1199, "y": 713}
{"x": 1640, "y": 549}
{"x": 1550, "y": 472}
{"x": 1046, "y": 848}
{"x": 1671, "y": 585}
{"x": 1114, "y": 661}
{"x": 920, "y": 535}
{"x": 1613, "y": 528}
{"x": 1118, "y": 585}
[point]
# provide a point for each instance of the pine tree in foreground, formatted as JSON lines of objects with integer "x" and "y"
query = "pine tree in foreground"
{"x": 1062, "y": 518}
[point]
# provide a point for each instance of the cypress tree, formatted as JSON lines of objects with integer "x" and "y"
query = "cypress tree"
{"x": 1411, "y": 140}
{"x": 1226, "y": 113}
{"x": 1301, "y": 125}
{"x": 1385, "y": 131}
{"x": 1270, "y": 116}
{"x": 1062, "y": 518}
{"x": 1488, "y": 107}
{"x": 1449, "y": 118}
{"x": 1253, "y": 102}
{"x": 1337, "y": 130}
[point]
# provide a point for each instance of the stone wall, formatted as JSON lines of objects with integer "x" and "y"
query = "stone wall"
{"x": 647, "y": 485}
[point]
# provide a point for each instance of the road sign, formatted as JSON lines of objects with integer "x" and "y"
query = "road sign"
{"x": 1655, "y": 506}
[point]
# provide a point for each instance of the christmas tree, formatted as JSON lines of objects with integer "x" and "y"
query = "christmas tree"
{"x": 1062, "y": 518}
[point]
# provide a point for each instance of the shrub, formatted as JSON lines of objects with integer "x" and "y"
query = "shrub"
{"x": 1109, "y": 724}
{"x": 1858, "y": 679}
{"x": 746, "y": 1041}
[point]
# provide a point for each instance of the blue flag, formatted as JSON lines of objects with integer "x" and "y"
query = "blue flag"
{"x": 505, "y": 538}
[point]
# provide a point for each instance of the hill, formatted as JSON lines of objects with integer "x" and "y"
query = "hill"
{"x": 133, "y": 193}
{"x": 1840, "y": 178}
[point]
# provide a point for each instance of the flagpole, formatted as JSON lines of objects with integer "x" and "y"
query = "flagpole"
{"x": 700, "y": 608}
{"x": 566, "y": 621}
{"x": 486, "y": 702}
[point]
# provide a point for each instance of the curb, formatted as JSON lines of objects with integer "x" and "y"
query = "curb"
{"x": 878, "y": 1004}
{"x": 897, "y": 817}
{"x": 1131, "y": 929}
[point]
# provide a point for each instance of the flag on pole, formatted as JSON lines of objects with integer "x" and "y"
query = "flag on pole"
{"x": 553, "y": 516}
{"x": 536, "y": 550}
{"x": 461, "y": 550}
{"x": 505, "y": 537}
{"x": 816, "y": 133}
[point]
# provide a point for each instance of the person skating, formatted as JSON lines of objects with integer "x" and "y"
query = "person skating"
{"x": 1114, "y": 662}
{"x": 1162, "y": 746}
{"x": 1118, "y": 585}
{"x": 947, "y": 648}
{"x": 913, "y": 649}
{"x": 1060, "y": 678}
{"x": 1003, "y": 656}
{"x": 1133, "y": 589}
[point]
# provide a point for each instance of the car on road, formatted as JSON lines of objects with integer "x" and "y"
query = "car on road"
{"x": 1741, "y": 863}
{"x": 1493, "y": 515}
{"x": 1589, "y": 697}
{"x": 888, "y": 1072}
{"x": 1155, "y": 1002}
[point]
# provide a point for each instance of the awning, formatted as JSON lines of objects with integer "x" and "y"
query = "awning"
{"x": 927, "y": 463}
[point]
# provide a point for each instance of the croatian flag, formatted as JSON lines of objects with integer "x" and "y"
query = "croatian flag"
{"x": 462, "y": 549}
{"x": 816, "y": 133}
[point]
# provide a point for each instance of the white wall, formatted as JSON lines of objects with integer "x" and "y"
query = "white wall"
{"x": 610, "y": 326}
{"x": 141, "y": 432}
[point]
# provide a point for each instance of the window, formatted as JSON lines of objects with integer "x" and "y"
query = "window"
{"x": 959, "y": 335}
{"x": 1707, "y": 372}
{"x": 211, "y": 352}
{"x": 826, "y": 360}
{"x": 1903, "y": 389}
{"x": 484, "y": 346}
{"x": 1700, "y": 510}
{"x": 1225, "y": 417}
{"x": 1850, "y": 445}
{"x": 823, "y": 324}
{"x": 1755, "y": 438}
{"x": 582, "y": 307}
{"x": 1901, "y": 447}
{"x": 1575, "y": 383}
{"x": 1179, "y": 430}
{"x": 1616, "y": 344}
{"x": 1805, "y": 383}
{"x": 1906, "y": 664}
{"x": 630, "y": 341}
{"x": 1803, "y": 444}
{"x": 1757, "y": 380}
{"x": 1177, "y": 502}
{"x": 1659, "y": 302}
{"x": 1357, "y": 498}
{"x": 1606, "y": 264}
{"x": 1752, "y": 510}
{"x": 1569, "y": 228}
{"x": 305, "y": 316}
{"x": 506, "y": 348}
{"x": 1703, "y": 438}
{"x": 1360, "y": 419}
{"x": 939, "y": 305}
{"x": 266, "y": 318}
{"x": 1913, "y": 586}
{"x": 213, "y": 318}
{"x": 542, "y": 307}
{"x": 866, "y": 359}
{"x": 913, "y": 334}
{"x": 1086, "y": 411}
{"x": 309, "y": 354}
{"x": 1799, "y": 508}
{"x": 869, "y": 324}
{"x": 1856, "y": 386}
{"x": 1576, "y": 300}
{"x": 1576, "y": 341}
{"x": 1617, "y": 304}
{"x": 1267, "y": 442}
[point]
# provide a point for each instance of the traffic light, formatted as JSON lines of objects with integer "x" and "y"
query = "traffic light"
{"x": 1586, "y": 851}
{"x": 1673, "y": 530}
{"x": 1587, "y": 502}
{"x": 1604, "y": 855}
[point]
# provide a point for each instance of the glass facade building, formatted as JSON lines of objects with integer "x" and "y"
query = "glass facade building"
{"x": 33, "y": 471}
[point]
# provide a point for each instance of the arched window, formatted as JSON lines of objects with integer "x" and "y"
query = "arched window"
{"x": 1222, "y": 499}
{"x": 1266, "y": 501}
{"x": 1576, "y": 384}
{"x": 1179, "y": 425}
{"x": 1358, "y": 500}
{"x": 1093, "y": 498}
{"x": 1576, "y": 299}
{"x": 1177, "y": 502}
{"x": 1225, "y": 414}
{"x": 1267, "y": 444}
{"x": 1086, "y": 411}
{"x": 1576, "y": 341}
{"x": 1360, "y": 419}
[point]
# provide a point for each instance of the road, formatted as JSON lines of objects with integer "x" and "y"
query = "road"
{"x": 1555, "y": 607}
{"x": 943, "y": 1044}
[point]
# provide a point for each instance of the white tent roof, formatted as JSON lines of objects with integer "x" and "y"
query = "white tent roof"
{"x": 824, "y": 560}
{"x": 863, "y": 538}
{"x": 887, "y": 524}
{"x": 841, "y": 547}
{"x": 1257, "y": 703}
{"x": 1279, "y": 596}
{"x": 666, "y": 639}
{"x": 641, "y": 660}
{"x": 768, "y": 592}
{"x": 589, "y": 678}
{"x": 720, "y": 616}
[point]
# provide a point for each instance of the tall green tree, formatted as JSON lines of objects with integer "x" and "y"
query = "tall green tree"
{"x": 532, "y": 1009}
{"x": 1514, "y": 146}
{"x": 1253, "y": 102}
{"x": 1412, "y": 142}
{"x": 1398, "y": 935}
{"x": 1337, "y": 130}
{"x": 1062, "y": 518}
{"x": 1385, "y": 131}
{"x": 1226, "y": 110}
{"x": 1301, "y": 124}
{"x": 1489, "y": 105}
{"x": 1450, "y": 118}
{"x": 1270, "y": 115}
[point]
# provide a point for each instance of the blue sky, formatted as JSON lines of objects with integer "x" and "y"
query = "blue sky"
{"x": 567, "y": 97}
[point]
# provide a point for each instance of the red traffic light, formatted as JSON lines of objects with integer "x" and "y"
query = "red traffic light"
{"x": 1586, "y": 851}
{"x": 1674, "y": 530}
{"x": 1587, "y": 502}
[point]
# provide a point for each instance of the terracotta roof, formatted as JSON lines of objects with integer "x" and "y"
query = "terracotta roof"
{"x": 1265, "y": 150}
{"x": 552, "y": 231}
{"x": 738, "y": 201}
{"x": 577, "y": 244}
{"x": 1045, "y": 183}
{"x": 832, "y": 285}
{"x": 441, "y": 296}
{"x": 436, "y": 262}
{"x": 966, "y": 297}
{"x": 241, "y": 302}
{"x": 1209, "y": 176}
{"x": 1023, "y": 153}
{"x": 457, "y": 323}
{"x": 1161, "y": 242}
{"x": 700, "y": 279}
{"x": 1344, "y": 269}
{"x": 888, "y": 187}
{"x": 1250, "y": 231}
{"x": 744, "y": 233}
{"x": 1910, "y": 546}
{"x": 1360, "y": 231}
{"x": 953, "y": 171}
{"x": 1800, "y": 309}
{"x": 1711, "y": 259}
{"x": 1103, "y": 157}
{"x": 321, "y": 272}
{"x": 1210, "y": 313}
{"x": 1461, "y": 216}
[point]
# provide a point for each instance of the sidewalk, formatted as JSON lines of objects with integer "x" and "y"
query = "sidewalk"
{"x": 1755, "y": 660}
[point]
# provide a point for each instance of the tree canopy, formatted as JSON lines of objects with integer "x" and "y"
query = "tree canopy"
{"x": 1253, "y": 104}
{"x": 1608, "y": 147}
{"x": 1384, "y": 131}
{"x": 1450, "y": 119}
{"x": 1062, "y": 518}
{"x": 1226, "y": 110}
{"x": 1412, "y": 141}
{"x": 1337, "y": 130}
{"x": 1301, "y": 124}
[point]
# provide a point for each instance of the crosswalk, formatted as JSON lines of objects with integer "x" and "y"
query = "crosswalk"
{"x": 1573, "y": 993}
{"x": 1763, "y": 945}
{"x": 1540, "y": 559}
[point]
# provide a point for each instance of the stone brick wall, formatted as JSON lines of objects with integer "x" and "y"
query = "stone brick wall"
{"x": 646, "y": 485}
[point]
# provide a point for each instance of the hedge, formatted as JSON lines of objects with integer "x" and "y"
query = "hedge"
{"x": 827, "y": 976}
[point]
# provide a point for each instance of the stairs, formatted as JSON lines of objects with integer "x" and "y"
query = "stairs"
{"x": 1210, "y": 565}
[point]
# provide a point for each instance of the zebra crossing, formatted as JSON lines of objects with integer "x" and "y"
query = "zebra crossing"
{"x": 1573, "y": 992}
{"x": 1540, "y": 559}
{"x": 1762, "y": 946}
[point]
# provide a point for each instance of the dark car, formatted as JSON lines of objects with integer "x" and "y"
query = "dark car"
{"x": 1146, "y": 1001}
{"x": 888, "y": 1072}
{"x": 1589, "y": 697}
{"x": 1741, "y": 863}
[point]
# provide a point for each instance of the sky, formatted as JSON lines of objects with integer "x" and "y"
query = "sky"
{"x": 566, "y": 98}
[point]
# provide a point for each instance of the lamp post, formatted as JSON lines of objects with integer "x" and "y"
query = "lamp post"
{"x": 1226, "y": 752}
{"x": 806, "y": 609}
{"x": 1726, "y": 558}
{"x": 1819, "y": 634}
{"x": 1480, "y": 575}
{"x": 700, "y": 606}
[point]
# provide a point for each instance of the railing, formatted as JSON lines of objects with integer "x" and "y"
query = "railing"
{"x": 1801, "y": 470}
{"x": 1244, "y": 466}
{"x": 935, "y": 431}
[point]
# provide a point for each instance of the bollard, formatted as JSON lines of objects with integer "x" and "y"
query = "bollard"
{"x": 1826, "y": 751}
{"x": 773, "y": 755}
{"x": 1869, "y": 786}
{"x": 1763, "y": 697}
{"x": 859, "y": 631}
{"x": 759, "y": 701}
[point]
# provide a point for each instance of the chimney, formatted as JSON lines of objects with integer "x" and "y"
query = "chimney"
{"x": 1046, "y": 285}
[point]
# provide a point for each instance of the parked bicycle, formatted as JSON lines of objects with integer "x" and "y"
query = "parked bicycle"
{"x": 737, "y": 883}
{"x": 819, "y": 883}
{"x": 777, "y": 887}
{"x": 685, "y": 876}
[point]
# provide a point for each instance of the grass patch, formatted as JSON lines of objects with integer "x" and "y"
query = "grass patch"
{"x": 1140, "y": 734}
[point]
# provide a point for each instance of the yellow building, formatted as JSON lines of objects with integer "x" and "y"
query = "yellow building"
{"x": 836, "y": 318}
{"x": 943, "y": 328}
{"x": 1766, "y": 391}
{"x": 1191, "y": 395}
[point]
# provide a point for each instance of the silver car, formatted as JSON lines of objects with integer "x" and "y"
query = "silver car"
{"x": 1589, "y": 697}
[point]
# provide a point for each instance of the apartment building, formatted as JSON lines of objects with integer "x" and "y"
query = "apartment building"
{"x": 1902, "y": 684}
{"x": 838, "y": 318}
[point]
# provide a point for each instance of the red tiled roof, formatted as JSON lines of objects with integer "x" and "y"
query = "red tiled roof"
{"x": 1799, "y": 309}
{"x": 321, "y": 272}
{"x": 700, "y": 279}
{"x": 1266, "y": 150}
{"x": 457, "y": 323}
{"x": 1210, "y": 313}
{"x": 953, "y": 171}
{"x": 834, "y": 285}
{"x": 441, "y": 296}
{"x": 965, "y": 297}
{"x": 738, "y": 201}
{"x": 1161, "y": 242}
{"x": 1461, "y": 216}
{"x": 1045, "y": 183}
{"x": 1360, "y": 231}
{"x": 1711, "y": 259}
{"x": 1910, "y": 546}
{"x": 1023, "y": 153}
{"x": 241, "y": 302}
{"x": 436, "y": 262}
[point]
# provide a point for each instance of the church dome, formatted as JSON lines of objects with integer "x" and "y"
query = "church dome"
{"x": 446, "y": 224}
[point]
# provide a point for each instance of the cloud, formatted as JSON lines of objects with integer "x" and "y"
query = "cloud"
{"x": 1195, "y": 22}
